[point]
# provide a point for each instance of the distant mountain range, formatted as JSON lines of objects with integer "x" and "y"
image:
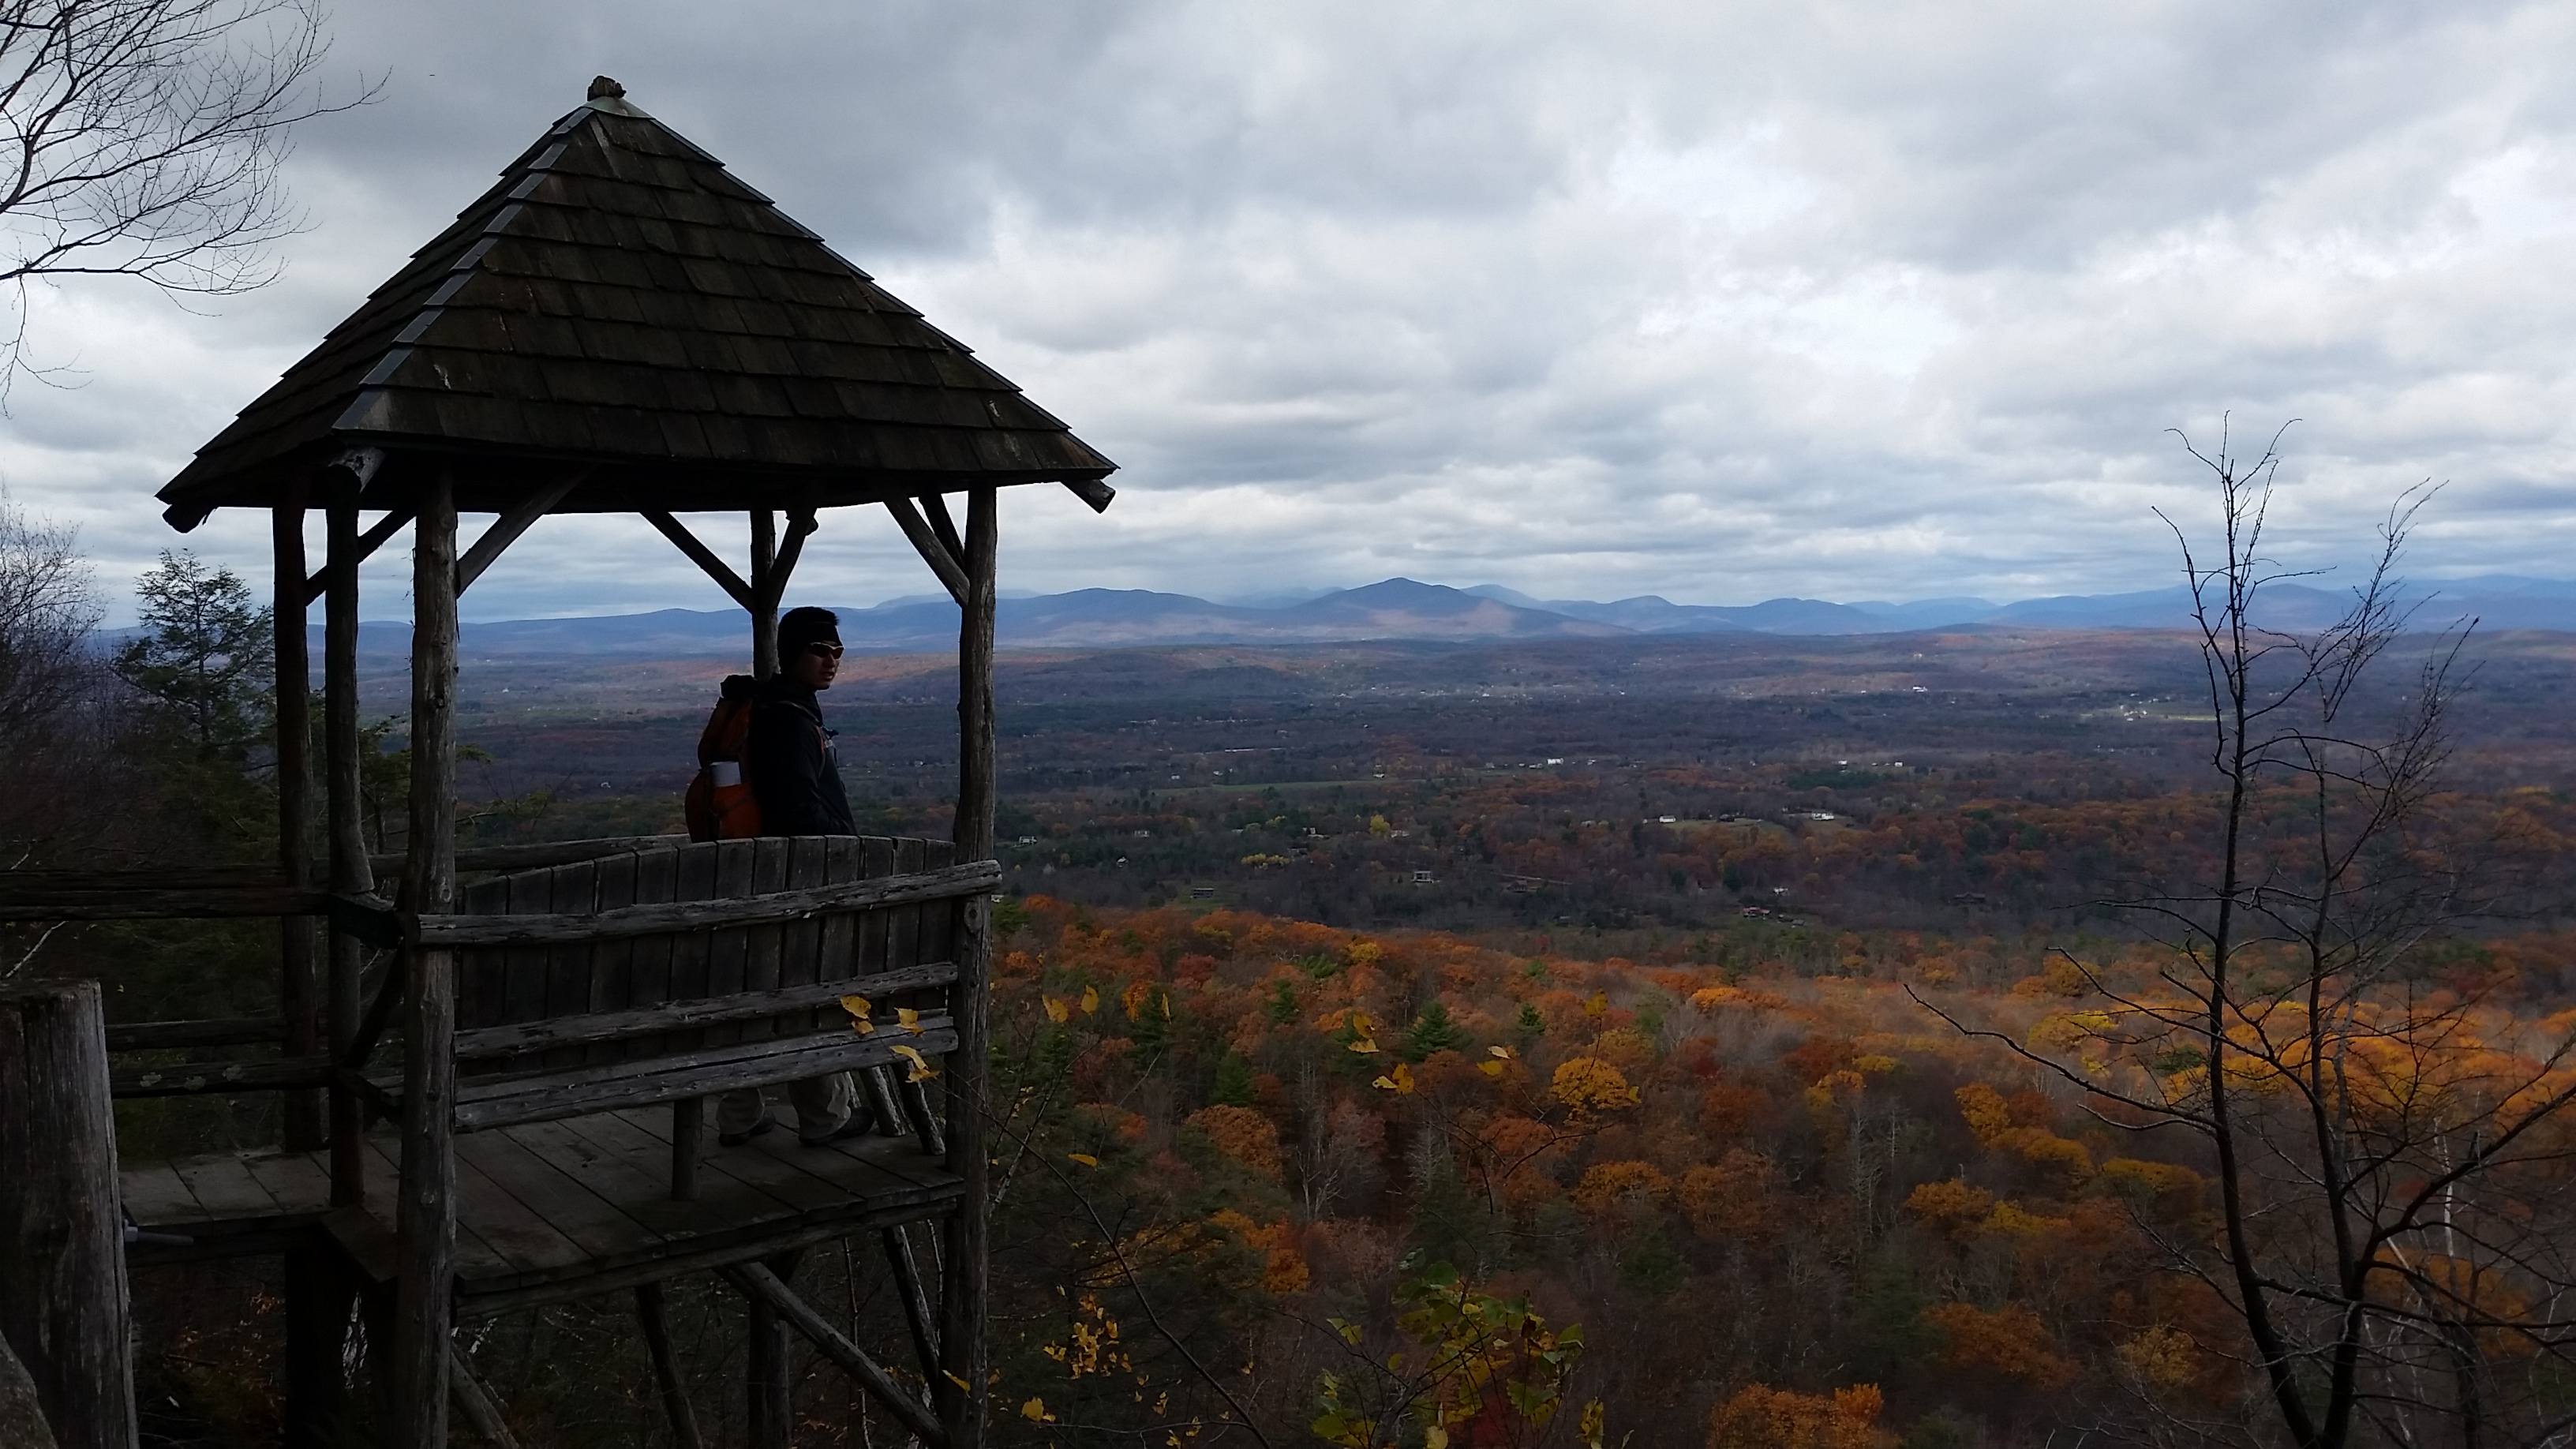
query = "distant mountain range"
{"x": 1405, "y": 609}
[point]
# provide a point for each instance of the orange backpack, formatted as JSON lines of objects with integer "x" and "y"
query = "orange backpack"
{"x": 719, "y": 805}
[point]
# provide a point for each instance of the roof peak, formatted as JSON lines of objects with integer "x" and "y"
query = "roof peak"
{"x": 607, "y": 95}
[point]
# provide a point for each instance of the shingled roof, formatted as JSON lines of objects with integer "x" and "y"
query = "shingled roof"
{"x": 620, "y": 305}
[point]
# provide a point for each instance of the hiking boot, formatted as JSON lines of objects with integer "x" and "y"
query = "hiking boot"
{"x": 736, "y": 1139}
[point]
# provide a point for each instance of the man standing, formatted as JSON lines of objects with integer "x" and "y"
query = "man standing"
{"x": 787, "y": 758}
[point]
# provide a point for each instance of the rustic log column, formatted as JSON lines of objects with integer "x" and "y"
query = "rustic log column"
{"x": 297, "y": 1000}
{"x": 425, "y": 1218}
{"x": 961, "y": 1335}
{"x": 772, "y": 1397}
{"x": 62, "y": 1247}
{"x": 764, "y": 599}
{"x": 349, "y": 869}
{"x": 315, "y": 1309}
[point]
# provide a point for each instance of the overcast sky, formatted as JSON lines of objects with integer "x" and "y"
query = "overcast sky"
{"x": 1718, "y": 301}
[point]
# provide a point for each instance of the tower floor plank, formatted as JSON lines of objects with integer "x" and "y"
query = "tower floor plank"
{"x": 558, "y": 1210}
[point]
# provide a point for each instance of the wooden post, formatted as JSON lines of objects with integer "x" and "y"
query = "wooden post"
{"x": 349, "y": 869}
{"x": 316, "y": 1298}
{"x": 666, "y": 1367}
{"x": 297, "y": 999}
{"x": 772, "y": 1406}
{"x": 961, "y": 1333}
{"x": 425, "y": 1218}
{"x": 764, "y": 600}
{"x": 62, "y": 1240}
{"x": 688, "y": 1120}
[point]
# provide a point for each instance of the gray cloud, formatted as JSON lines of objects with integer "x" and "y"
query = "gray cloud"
{"x": 1715, "y": 300}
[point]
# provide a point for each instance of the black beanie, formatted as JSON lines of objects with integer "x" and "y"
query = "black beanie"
{"x": 800, "y": 629}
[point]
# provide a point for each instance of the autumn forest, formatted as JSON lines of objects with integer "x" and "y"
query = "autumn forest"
{"x": 1930, "y": 1041}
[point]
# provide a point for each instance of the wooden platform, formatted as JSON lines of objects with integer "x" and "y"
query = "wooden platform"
{"x": 549, "y": 1211}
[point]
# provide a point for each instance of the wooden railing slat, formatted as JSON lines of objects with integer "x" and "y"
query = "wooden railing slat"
{"x": 446, "y": 932}
{"x": 604, "y": 1026}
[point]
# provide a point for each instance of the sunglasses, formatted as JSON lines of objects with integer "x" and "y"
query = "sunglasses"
{"x": 828, "y": 651}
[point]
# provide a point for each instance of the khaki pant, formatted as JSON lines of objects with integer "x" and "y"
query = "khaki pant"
{"x": 822, "y": 1105}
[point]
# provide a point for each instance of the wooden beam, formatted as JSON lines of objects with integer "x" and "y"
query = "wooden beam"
{"x": 800, "y": 527}
{"x": 351, "y": 873}
{"x": 139, "y": 903}
{"x": 145, "y": 1036}
{"x": 425, "y": 1214}
{"x": 62, "y": 1251}
{"x": 477, "y": 1402}
{"x": 1093, "y": 492}
{"x": 644, "y": 1082}
{"x": 188, "y": 1079}
{"x": 946, "y": 883}
{"x": 935, "y": 508}
{"x": 701, "y": 555}
{"x": 666, "y": 1367}
{"x": 952, "y": 574}
{"x": 897, "y": 1241}
{"x": 762, "y": 1286}
{"x": 606, "y": 1026}
{"x": 366, "y": 544}
{"x": 528, "y": 857}
{"x": 505, "y": 530}
{"x": 964, "y": 1268}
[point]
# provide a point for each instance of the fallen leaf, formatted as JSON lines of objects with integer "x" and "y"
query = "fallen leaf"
{"x": 1085, "y": 1158}
{"x": 921, "y": 1070}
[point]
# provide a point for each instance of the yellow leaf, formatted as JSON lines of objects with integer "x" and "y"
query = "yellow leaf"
{"x": 1365, "y": 1047}
{"x": 1090, "y": 1000}
{"x": 954, "y": 1379}
{"x": 1491, "y": 1069}
{"x": 1499, "y": 1053}
{"x": 1034, "y": 1410}
{"x": 1085, "y": 1158}
{"x": 908, "y": 1019}
{"x": 1592, "y": 1425}
{"x": 1056, "y": 1010}
{"x": 1435, "y": 1437}
{"x": 921, "y": 1070}
{"x": 1399, "y": 1080}
{"x": 857, "y": 1007}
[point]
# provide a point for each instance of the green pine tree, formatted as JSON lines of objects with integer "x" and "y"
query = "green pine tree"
{"x": 1529, "y": 1025}
{"x": 204, "y": 653}
{"x": 1283, "y": 1002}
{"x": 1233, "y": 1081}
{"x": 1432, "y": 1031}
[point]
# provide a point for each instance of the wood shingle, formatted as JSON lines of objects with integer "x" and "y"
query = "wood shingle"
{"x": 621, "y": 305}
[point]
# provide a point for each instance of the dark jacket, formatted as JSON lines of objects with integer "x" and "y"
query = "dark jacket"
{"x": 788, "y": 755}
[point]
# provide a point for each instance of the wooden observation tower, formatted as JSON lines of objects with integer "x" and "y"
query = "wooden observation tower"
{"x": 494, "y": 1060}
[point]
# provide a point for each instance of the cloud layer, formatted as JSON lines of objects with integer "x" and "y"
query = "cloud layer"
{"x": 1721, "y": 301}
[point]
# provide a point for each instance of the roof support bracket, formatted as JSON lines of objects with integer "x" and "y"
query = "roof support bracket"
{"x": 934, "y": 550}
{"x": 704, "y": 557}
{"x": 773, "y": 580}
{"x": 506, "y": 529}
{"x": 319, "y": 581}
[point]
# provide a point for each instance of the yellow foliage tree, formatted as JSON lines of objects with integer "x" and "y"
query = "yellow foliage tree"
{"x": 1590, "y": 1085}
